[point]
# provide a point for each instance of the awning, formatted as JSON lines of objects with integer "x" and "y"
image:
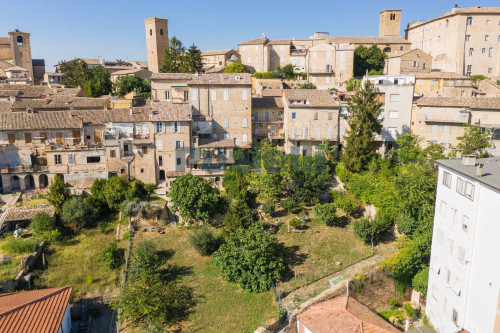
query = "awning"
{"x": 179, "y": 87}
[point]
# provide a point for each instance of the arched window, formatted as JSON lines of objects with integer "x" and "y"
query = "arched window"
{"x": 387, "y": 50}
{"x": 447, "y": 23}
{"x": 469, "y": 20}
{"x": 19, "y": 40}
{"x": 151, "y": 32}
{"x": 161, "y": 32}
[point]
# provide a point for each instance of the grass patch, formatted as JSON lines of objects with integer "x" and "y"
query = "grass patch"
{"x": 220, "y": 306}
{"x": 155, "y": 199}
{"x": 18, "y": 246}
{"x": 392, "y": 314}
{"x": 318, "y": 251}
{"x": 76, "y": 262}
{"x": 34, "y": 202}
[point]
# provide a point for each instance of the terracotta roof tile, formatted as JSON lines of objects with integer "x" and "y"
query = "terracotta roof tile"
{"x": 215, "y": 52}
{"x": 369, "y": 40}
{"x": 209, "y": 143}
{"x": 315, "y": 98}
{"x": 466, "y": 102}
{"x": 40, "y": 311}
{"x": 256, "y": 41}
{"x": 267, "y": 102}
{"x": 442, "y": 75}
{"x": 27, "y": 213}
{"x": 170, "y": 76}
{"x": 221, "y": 79}
{"x": 343, "y": 314}
{"x": 4, "y": 40}
{"x": 61, "y": 102}
{"x": 11, "y": 121}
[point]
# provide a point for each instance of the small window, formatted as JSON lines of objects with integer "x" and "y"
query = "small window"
{"x": 178, "y": 161}
{"x": 93, "y": 159}
{"x": 20, "y": 40}
{"x": 294, "y": 115}
{"x": 151, "y": 32}
{"x": 469, "y": 20}
{"x": 244, "y": 95}
{"x": 186, "y": 96}
{"x": 315, "y": 116}
{"x": 454, "y": 317}
{"x": 167, "y": 95}
{"x": 419, "y": 82}
{"x": 244, "y": 122}
{"x": 465, "y": 223}
{"x": 395, "y": 98}
{"x": 57, "y": 159}
{"x": 467, "y": 37}
{"x": 401, "y": 48}
{"x": 471, "y": 51}
{"x": 490, "y": 70}
{"x": 443, "y": 207}
{"x": 226, "y": 122}
{"x": 486, "y": 38}
{"x": 144, "y": 149}
{"x": 465, "y": 188}
{"x": 226, "y": 94}
{"x": 245, "y": 137}
{"x": 161, "y": 32}
{"x": 393, "y": 114}
{"x": 447, "y": 22}
{"x": 330, "y": 115}
{"x": 12, "y": 138}
{"x": 461, "y": 256}
{"x": 142, "y": 170}
{"x": 112, "y": 153}
{"x": 27, "y": 137}
{"x": 490, "y": 52}
{"x": 160, "y": 160}
{"x": 214, "y": 95}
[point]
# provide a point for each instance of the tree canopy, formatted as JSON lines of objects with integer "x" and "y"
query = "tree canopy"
{"x": 475, "y": 141}
{"x": 235, "y": 67}
{"x": 98, "y": 82}
{"x": 368, "y": 58}
{"x": 126, "y": 84}
{"x": 178, "y": 60}
{"x": 306, "y": 85}
{"x": 364, "y": 124}
{"x": 251, "y": 258}
{"x": 194, "y": 198}
{"x": 58, "y": 193}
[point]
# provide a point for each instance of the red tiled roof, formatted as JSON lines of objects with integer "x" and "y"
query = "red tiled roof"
{"x": 343, "y": 314}
{"x": 39, "y": 311}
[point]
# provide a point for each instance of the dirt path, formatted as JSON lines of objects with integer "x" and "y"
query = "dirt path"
{"x": 294, "y": 299}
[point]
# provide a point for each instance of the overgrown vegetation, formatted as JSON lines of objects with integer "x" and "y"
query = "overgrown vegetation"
{"x": 368, "y": 59}
{"x": 179, "y": 60}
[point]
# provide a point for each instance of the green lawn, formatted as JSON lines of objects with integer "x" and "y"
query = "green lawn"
{"x": 220, "y": 306}
{"x": 76, "y": 262}
{"x": 9, "y": 261}
{"x": 319, "y": 250}
{"x": 34, "y": 202}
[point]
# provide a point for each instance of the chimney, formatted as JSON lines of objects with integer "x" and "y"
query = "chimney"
{"x": 469, "y": 160}
{"x": 479, "y": 170}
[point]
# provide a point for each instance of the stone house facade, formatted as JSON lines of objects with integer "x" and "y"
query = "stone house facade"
{"x": 408, "y": 62}
{"x": 444, "y": 84}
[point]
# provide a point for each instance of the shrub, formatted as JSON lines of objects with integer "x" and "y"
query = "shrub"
{"x": 406, "y": 225}
{"x": 420, "y": 281}
{"x": 296, "y": 223}
{"x": 115, "y": 191}
{"x": 146, "y": 259}
{"x": 327, "y": 213}
{"x": 288, "y": 204}
{"x": 89, "y": 279}
{"x": 42, "y": 223}
{"x": 76, "y": 213}
{"x": 365, "y": 230}
{"x": 342, "y": 172}
{"x": 203, "y": 240}
{"x": 150, "y": 188}
{"x": 51, "y": 236}
{"x": 135, "y": 190}
{"x": 268, "y": 207}
{"x": 19, "y": 246}
{"x": 393, "y": 302}
{"x": 410, "y": 312}
{"x": 306, "y": 85}
{"x": 345, "y": 201}
{"x": 112, "y": 256}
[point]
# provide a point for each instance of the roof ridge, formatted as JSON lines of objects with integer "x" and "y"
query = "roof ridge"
{"x": 59, "y": 290}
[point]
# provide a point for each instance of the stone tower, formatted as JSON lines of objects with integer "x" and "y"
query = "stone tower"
{"x": 390, "y": 23}
{"x": 156, "y": 41}
{"x": 20, "y": 47}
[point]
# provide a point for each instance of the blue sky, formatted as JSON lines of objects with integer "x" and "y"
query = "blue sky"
{"x": 110, "y": 29}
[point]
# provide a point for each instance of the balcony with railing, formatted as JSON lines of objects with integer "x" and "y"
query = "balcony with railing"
{"x": 321, "y": 70}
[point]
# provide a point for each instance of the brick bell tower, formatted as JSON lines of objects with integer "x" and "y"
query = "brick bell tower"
{"x": 390, "y": 23}
{"x": 156, "y": 41}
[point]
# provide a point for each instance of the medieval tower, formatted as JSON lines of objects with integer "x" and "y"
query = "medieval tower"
{"x": 390, "y": 23}
{"x": 16, "y": 49}
{"x": 156, "y": 41}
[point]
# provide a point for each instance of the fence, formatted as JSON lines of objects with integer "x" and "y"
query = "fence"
{"x": 125, "y": 270}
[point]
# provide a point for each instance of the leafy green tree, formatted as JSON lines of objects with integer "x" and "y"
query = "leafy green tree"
{"x": 173, "y": 60}
{"x": 421, "y": 280}
{"x": 364, "y": 124}
{"x": 286, "y": 72}
{"x": 204, "y": 241}
{"x": 235, "y": 67}
{"x": 194, "y": 198}
{"x": 478, "y": 78}
{"x": 112, "y": 256}
{"x": 238, "y": 215}
{"x": 42, "y": 223}
{"x": 115, "y": 191}
{"x": 135, "y": 190}
{"x": 98, "y": 82}
{"x": 192, "y": 61}
{"x": 353, "y": 84}
{"x": 146, "y": 259}
{"x": 251, "y": 258}
{"x": 75, "y": 73}
{"x": 150, "y": 188}
{"x": 76, "y": 213}
{"x": 416, "y": 191}
{"x": 151, "y": 304}
{"x": 98, "y": 189}
{"x": 289, "y": 205}
{"x": 326, "y": 213}
{"x": 58, "y": 193}
{"x": 125, "y": 84}
{"x": 475, "y": 141}
{"x": 236, "y": 182}
{"x": 268, "y": 207}
{"x": 306, "y": 85}
{"x": 329, "y": 148}
{"x": 407, "y": 225}
{"x": 368, "y": 230}
{"x": 368, "y": 58}
{"x": 408, "y": 150}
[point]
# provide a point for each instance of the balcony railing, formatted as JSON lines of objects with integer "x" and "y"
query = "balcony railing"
{"x": 323, "y": 70}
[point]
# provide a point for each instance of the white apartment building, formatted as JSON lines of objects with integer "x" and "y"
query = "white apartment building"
{"x": 464, "y": 277}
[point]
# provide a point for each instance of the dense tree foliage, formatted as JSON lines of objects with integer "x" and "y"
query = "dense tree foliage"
{"x": 115, "y": 191}
{"x": 475, "y": 141}
{"x": 112, "y": 256}
{"x": 178, "y": 60}
{"x": 251, "y": 258}
{"x": 364, "y": 124}
{"x": 326, "y": 213}
{"x": 421, "y": 280}
{"x": 353, "y": 84}
{"x": 194, "y": 198}
{"x": 42, "y": 223}
{"x": 98, "y": 82}
{"x": 329, "y": 148}
{"x": 235, "y": 67}
{"x": 76, "y": 213}
{"x": 238, "y": 215}
{"x": 58, "y": 193}
{"x": 125, "y": 84}
{"x": 306, "y": 85}
{"x": 75, "y": 73}
{"x": 367, "y": 59}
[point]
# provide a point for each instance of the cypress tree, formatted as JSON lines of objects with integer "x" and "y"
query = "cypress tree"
{"x": 363, "y": 121}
